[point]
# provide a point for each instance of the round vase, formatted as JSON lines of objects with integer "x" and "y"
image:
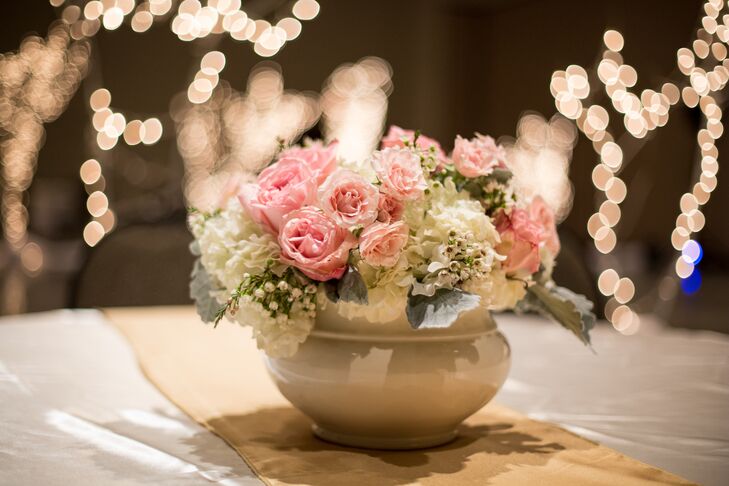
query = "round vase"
{"x": 387, "y": 386}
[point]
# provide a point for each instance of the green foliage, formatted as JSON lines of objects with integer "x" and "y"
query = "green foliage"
{"x": 276, "y": 293}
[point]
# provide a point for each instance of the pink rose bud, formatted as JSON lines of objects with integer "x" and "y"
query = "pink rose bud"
{"x": 349, "y": 198}
{"x": 313, "y": 242}
{"x": 478, "y": 156}
{"x": 400, "y": 173}
{"x": 543, "y": 215}
{"x": 397, "y": 136}
{"x": 321, "y": 160}
{"x": 389, "y": 209}
{"x": 520, "y": 239}
{"x": 381, "y": 244}
{"x": 280, "y": 188}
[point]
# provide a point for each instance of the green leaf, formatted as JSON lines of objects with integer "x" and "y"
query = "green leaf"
{"x": 573, "y": 311}
{"x": 201, "y": 287}
{"x": 352, "y": 288}
{"x": 439, "y": 310}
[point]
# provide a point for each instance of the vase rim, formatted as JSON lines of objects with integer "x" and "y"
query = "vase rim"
{"x": 426, "y": 335}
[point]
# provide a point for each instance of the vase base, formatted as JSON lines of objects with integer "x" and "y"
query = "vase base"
{"x": 384, "y": 443}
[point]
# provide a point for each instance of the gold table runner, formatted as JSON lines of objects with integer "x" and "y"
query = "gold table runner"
{"x": 218, "y": 378}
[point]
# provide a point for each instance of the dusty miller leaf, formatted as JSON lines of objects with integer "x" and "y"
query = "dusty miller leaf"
{"x": 351, "y": 287}
{"x": 571, "y": 310}
{"x": 201, "y": 287}
{"x": 439, "y": 310}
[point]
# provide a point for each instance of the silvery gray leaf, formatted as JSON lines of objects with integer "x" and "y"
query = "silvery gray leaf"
{"x": 201, "y": 287}
{"x": 573, "y": 311}
{"x": 439, "y": 310}
{"x": 352, "y": 288}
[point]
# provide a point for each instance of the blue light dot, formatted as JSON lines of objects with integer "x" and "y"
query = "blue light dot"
{"x": 692, "y": 283}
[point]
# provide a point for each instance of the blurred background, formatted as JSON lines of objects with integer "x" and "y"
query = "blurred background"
{"x": 115, "y": 116}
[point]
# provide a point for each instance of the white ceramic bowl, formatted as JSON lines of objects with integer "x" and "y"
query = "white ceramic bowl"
{"x": 386, "y": 386}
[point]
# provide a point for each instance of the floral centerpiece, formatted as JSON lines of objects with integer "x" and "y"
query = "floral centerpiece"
{"x": 410, "y": 229}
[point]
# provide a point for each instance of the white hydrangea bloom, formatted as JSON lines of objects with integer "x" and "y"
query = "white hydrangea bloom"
{"x": 497, "y": 292}
{"x": 453, "y": 210}
{"x": 232, "y": 244}
{"x": 278, "y": 336}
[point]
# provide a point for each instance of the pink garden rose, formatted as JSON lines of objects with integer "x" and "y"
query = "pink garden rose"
{"x": 349, "y": 198}
{"x": 520, "y": 238}
{"x": 389, "y": 209}
{"x": 280, "y": 188}
{"x": 400, "y": 173}
{"x": 312, "y": 242}
{"x": 321, "y": 160}
{"x": 396, "y": 137}
{"x": 543, "y": 215}
{"x": 478, "y": 156}
{"x": 231, "y": 188}
{"x": 381, "y": 243}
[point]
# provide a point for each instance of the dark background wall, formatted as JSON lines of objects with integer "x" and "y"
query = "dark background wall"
{"x": 459, "y": 66}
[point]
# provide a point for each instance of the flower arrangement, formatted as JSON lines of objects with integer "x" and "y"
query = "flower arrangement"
{"x": 409, "y": 229}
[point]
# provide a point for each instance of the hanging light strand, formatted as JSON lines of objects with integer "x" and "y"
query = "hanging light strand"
{"x": 642, "y": 114}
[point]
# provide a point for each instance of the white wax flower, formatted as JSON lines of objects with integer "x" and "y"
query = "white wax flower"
{"x": 278, "y": 336}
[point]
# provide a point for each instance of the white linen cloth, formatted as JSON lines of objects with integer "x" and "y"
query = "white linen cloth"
{"x": 75, "y": 408}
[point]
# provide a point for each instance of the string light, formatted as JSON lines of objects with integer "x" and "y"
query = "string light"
{"x": 194, "y": 21}
{"x": 111, "y": 125}
{"x": 354, "y": 105}
{"x": 540, "y": 160}
{"x": 36, "y": 84}
{"x": 642, "y": 114}
{"x": 232, "y": 132}
{"x": 191, "y": 20}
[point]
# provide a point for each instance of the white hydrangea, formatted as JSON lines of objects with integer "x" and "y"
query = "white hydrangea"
{"x": 232, "y": 244}
{"x": 497, "y": 292}
{"x": 387, "y": 293}
{"x": 453, "y": 210}
{"x": 278, "y": 336}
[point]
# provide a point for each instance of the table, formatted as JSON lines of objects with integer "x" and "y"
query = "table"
{"x": 77, "y": 410}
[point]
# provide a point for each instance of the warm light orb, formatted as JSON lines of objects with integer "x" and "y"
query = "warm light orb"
{"x": 306, "y": 9}
{"x": 93, "y": 233}
{"x": 90, "y": 171}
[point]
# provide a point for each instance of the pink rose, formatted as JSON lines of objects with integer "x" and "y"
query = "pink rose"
{"x": 478, "y": 156}
{"x": 349, "y": 198}
{"x": 520, "y": 239}
{"x": 543, "y": 215}
{"x": 231, "y": 188}
{"x": 400, "y": 173}
{"x": 320, "y": 160}
{"x": 312, "y": 242}
{"x": 280, "y": 188}
{"x": 389, "y": 209}
{"x": 381, "y": 244}
{"x": 397, "y": 136}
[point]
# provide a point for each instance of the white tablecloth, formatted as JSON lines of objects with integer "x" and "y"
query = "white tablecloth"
{"x": 75, "y": 408}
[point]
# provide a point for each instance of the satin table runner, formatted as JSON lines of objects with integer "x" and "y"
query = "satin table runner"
{"x": 218, "y": 378}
